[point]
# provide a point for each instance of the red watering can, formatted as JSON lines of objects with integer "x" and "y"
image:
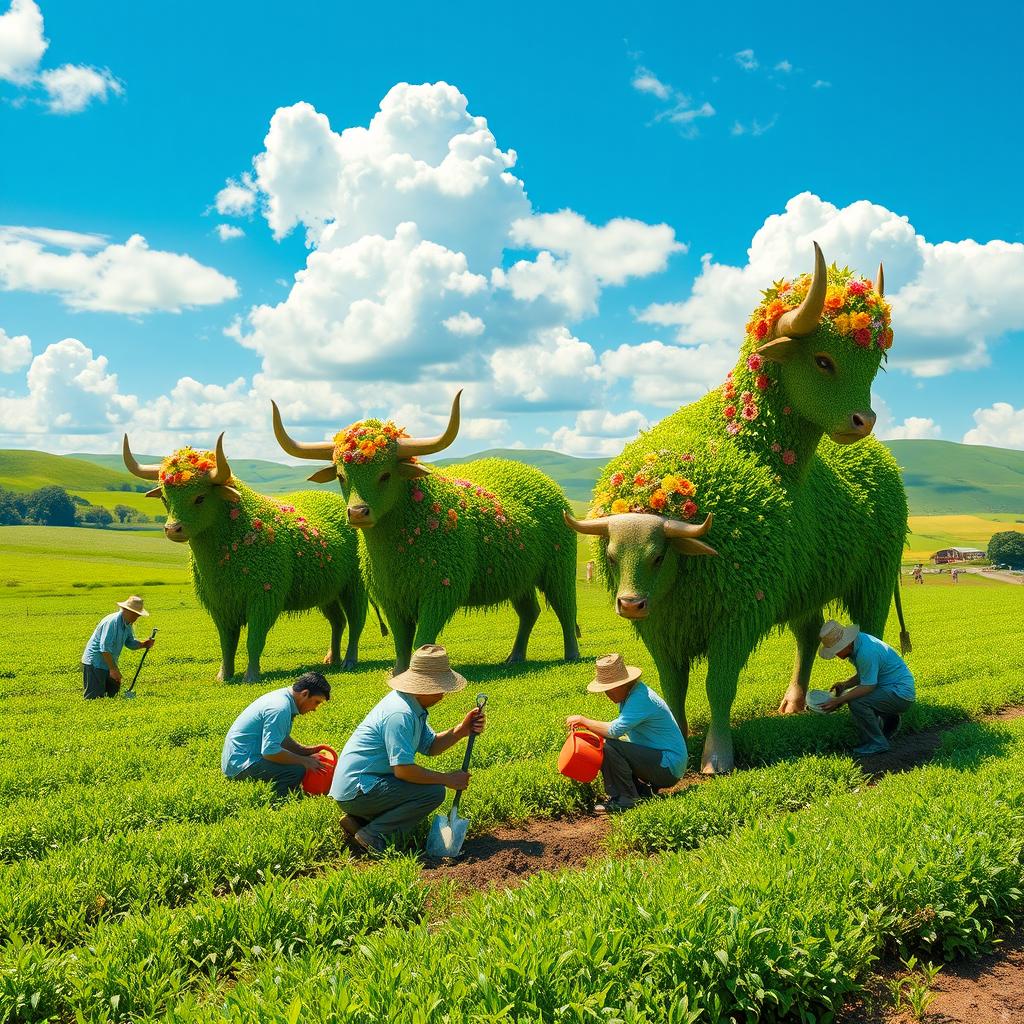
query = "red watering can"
{"x": 318, "y": 783}
{"x": 581, "y": 755}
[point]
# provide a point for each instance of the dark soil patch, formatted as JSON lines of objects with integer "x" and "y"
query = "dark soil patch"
{"x": 989, "y": 990}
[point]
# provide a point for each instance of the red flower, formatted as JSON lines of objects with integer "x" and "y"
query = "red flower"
{"x": 436, "y": 509}
{"x": 789, "y": 456}
{"x": 786, "y": 410}
{"x": 750, "y": 412}
{"x": 687, "y": 458}
{"x": 862, "y": 337}
{"x": 266, "y": 586}
{"x": 689, "y": 509}
{"x": 233, "y": 513}
{"x": 729, "y": 411}
{"x": 747, "y": 397}
{"x": 762, "y": 382}
{"x": 639, "y": 480}
{"x": 856, "y": 288}
{"x": 754, "y": 362}
{"x": 446, "y": 582}
{"x": 617, "y": 479}
{"x": 433, "y": 524}
{"x": 417, "y": 494}
{"x": 761, "y": 329}
{"x": 257, "y": 524}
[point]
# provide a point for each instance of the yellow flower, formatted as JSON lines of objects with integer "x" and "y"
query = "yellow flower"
{"x": 835, "y": 296}
{"x": 842, "y": 324}
{"x": 859, "y": 320}
{"x": 651, "y": 457}
{"x": 186, "y": 476}
{"x": 669, "y": 483}
{"x": 619, "y": 506}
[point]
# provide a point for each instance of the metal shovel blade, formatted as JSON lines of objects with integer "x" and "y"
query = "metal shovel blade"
{"x": 447, "y": 834}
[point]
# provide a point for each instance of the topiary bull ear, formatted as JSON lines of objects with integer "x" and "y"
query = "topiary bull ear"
{"x": 412, "y": 470}
{"x": 157, "y": 492}
{"x": 780, "y": 350}
{"x": 689, "y": 546}
{"x": 324, "y": 476}
{"x": 227, "y": 492}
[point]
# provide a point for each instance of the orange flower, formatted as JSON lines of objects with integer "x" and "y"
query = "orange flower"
{"x": 619, "y": 506}
{"x": 685, "y": 488}
{"x": 835, "y": 297}
{"x": 658, "y": 500}
{"x": 774, "y": 311}
{"x": 860, "y": 320}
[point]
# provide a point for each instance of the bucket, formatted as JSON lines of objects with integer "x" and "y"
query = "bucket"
{"x": 581, "y": 755}
{"x": 318, "y": 783}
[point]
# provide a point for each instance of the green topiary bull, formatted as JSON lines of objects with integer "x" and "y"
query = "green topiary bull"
{"x": 436, "y": 543}
{"x": 254, "y": 557}
{"x": 799, "y": 521}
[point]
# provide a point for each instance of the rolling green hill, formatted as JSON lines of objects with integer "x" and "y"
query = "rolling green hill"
{"x": 941, "y": 477}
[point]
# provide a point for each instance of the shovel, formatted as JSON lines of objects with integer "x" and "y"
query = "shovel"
{"x": 130, "y": 692}
{"x": 448, "y": 831}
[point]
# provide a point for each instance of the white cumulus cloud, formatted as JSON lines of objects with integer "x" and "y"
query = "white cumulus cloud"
{"x": 647, "y": 81}
{"x": 15, "y": 352}
{"x": 90, "y": 273}
{"x": 236, "y": 198}
{"x": 746, "y": 60}
{"x": 72, "y": 87}
{"x": 22, "y": 43}
{"x": 1000, "y": 425}
{"x": 225, "y": 232}
{"x": 598, "y": 432}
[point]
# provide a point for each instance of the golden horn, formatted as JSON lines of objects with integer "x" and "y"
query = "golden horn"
{"x": 803, "y": 320}
{"x": 222, "y": 471}
{"x": 880, "y": 281}
{"x": 410, "y": 446}
{"x": 591, "y": 527}
{"x": 300, "y": 449}
{"x": 674, "y": 529}
{"x": 145, "y": 472}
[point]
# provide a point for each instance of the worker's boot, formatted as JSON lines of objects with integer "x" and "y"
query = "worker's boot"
{"x": 351, "y": 824}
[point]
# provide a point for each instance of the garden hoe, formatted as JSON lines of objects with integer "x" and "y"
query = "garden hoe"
{"x": 448, "y": 831}
{"x": 130, "y": 692}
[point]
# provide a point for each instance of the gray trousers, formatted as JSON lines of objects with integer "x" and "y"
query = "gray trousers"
{"x": 393, "y": 805}
{"x": 285, "y": 777}
{"x": 868, "y": 712}
{"x": 96, "y": 682}
{"x": 625, "y": 763}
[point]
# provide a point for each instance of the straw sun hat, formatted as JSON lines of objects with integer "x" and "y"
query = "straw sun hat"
{"x": 835, "y": 637}
{"x": 133, "y": 604}
{"x": 612, "y": 671}
{"x": 428, "y": 672}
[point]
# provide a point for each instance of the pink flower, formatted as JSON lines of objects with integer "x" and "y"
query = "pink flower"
{"x": 856, "y": 287}
{"x": 729, "y": 411}
{"x": 687, "y": 458}
{"x": 747, "y": 397}
{"x": 776, "y": 447}
{"x": 446, "y": 582}
{"x": 786, "y": 410}
{"x": 750, "y": 412}
{"x": 762, "y": 382}
{"x": 433, "y": 524}
{"x": 234, "y": 546}
{"x": 347, "y": 457}
{"x": 417, "y": 495}
{"x": 233, "y": 513}
{"x": 732, "y": 429}
{"x": 760, "y": 595}
{"x": 257, "y": 524}
{"x": 417, "y": 531}
{"x": 754, "y": 362}
{"x": 689, "y": 509}
{"x": 266, "y": 586}
{"x": 789, "y": 456}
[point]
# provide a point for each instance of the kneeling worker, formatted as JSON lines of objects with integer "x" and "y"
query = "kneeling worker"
{"x": 654, "y": 755}
{"x": 377, "y": 782}
{"x": 879, "y": 691}
{"x": 258, "y": 745}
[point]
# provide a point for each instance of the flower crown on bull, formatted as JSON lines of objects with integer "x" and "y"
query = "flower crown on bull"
{"x": 187, "y": 466}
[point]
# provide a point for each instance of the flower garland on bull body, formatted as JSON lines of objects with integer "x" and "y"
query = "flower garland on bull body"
{"x": 752, "y": 413}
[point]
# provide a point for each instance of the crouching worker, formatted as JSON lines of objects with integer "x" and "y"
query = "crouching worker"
{"x": 258, "y": 745}
{"x": 377, "y": 782}
{"x": 653, "y": 756}
{"x": 879, "y": 691}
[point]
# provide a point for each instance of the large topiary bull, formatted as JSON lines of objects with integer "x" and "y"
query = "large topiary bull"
{"x": 437, "y": 542}
{"x": 254, "y": 557}
{"x": 798, "y": 521}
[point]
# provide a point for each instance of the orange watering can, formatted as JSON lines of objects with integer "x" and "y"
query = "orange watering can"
{"x": 581, "y": 755}
{"x": 318, "y": 783}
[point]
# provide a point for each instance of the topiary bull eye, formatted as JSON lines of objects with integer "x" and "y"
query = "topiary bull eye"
{"x": 200, "y": 498}
{"x": 825, "y": 364}
{"x": 658, "y": 559}
{"x": 384, "y": 478}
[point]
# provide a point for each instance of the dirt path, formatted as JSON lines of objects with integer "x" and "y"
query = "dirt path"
{"x": 509, "y": 855}
{"x": 996, "y": 574}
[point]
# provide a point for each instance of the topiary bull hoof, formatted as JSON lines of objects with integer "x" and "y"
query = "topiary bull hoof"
{"x": 793, "y": 704}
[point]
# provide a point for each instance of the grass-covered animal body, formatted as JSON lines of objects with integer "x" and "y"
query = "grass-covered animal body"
{"x": 436, "y": 542}
{"x": 254, "y": 557}
{"x": 797, "y": 521}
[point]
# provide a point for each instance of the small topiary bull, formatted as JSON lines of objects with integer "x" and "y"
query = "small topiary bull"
{"x": 254, "y": 557}
{"x": 436, "y": 543}
{"x": 798, "y": 521}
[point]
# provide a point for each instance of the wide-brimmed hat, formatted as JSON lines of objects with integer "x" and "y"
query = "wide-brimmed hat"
{"x": 611, "y": 671}
{"x": 835, "y": 637}
{"x": 428, "y": 672}
{"x": 133, "y": 604}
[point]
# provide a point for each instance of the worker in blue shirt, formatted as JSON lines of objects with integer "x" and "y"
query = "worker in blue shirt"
{"x": 644, "y": 748}
{"x": 879, "y": 691}
{"x": 100, "y": 673}
{"x": 259, "y": 745}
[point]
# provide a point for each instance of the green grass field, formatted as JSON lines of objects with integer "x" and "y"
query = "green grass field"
{"x": 136, "y": 883}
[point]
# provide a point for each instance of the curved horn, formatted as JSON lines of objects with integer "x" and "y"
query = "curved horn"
{"x": 222, "y": 471}
{"x": 880, "y": 281}
{"x": 803, "y": 320}
{"x": 146, "y": 472}
{"x": 675, "y": 530}
{"x": 321, "y": 450}
{"x": 410, "y": 446}
{"x": 591, "y": 527}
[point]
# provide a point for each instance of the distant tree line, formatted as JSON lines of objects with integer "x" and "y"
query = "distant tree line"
{"x": 1007, "y": 548}
{"x": 53, "y": 506}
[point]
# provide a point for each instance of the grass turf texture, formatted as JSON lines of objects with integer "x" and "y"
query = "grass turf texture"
{"x": 114, "y": 812}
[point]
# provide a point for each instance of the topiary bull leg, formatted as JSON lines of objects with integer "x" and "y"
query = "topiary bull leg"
{"x": 402, "y": 632}
{"x": 527, "y": 608}
{"x": 869, "y": 604}
{"x": 228, "y": 646}
{"x": 806, "y": 631}
{"x": 559, "y": 587}
{"x": 260, "y": 618}
{"x": 334, "y": 614}
{"x": 353, "y": 600}
{"x": 674, "y": 674}
{"x": 433, "y": 617}
{"x": 723, "y": 674}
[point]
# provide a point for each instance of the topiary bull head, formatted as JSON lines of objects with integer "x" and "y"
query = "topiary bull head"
{"x": 643, "y": 554}
{"x": 828, "y": 333}
{"x": 193, "y": 485}
{"x": 371, "y": 460}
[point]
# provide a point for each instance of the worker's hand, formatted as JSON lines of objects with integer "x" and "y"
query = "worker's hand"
{"x": 475, "y": 721}
{"x": 314, "y": 764}
{"x": 149, "y": 643}
{"x": 831, "y": 705}
{"x": 573, "y": 720}
{"x": 457, "y": 780}
{"x": 317, "y": 749}
{"x": 115, "y": 674}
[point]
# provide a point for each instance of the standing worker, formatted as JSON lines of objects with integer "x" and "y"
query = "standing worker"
{"x": 654, "y": 755}
{"x": 590, "y": 571}
{"x": 879, "y": 691}
{"x": 259, "y": 745}
{"x": 378, "y": 785}
{"x": 100, "y": 675}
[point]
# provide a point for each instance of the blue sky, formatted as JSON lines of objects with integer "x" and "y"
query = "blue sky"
{"x": 695, "y": 123}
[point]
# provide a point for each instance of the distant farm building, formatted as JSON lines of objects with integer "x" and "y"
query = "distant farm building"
{"x": 956, "y": 555}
